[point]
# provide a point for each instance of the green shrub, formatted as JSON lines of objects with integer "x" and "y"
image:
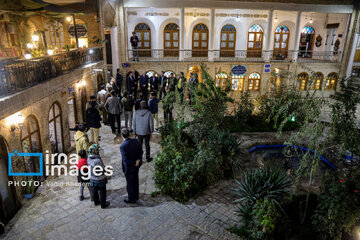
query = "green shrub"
{"x": 260, "y": 193}
{"x": 338, "y": 208}
{"x": 270, "y": 183}
{"x": 265, "y": 216}
{"x": 198, "y": 153}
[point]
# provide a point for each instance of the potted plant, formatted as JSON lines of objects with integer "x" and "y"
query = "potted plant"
{"x": 29, "y": 189}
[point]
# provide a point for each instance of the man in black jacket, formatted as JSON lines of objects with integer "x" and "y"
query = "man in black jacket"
{"x": 93, "y": 121}
{"x": 119, "y": 81}
{"x": 144, "y": 85}
{"x": 131, "y": 154}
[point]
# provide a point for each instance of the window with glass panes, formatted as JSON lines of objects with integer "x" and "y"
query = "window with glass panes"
{"x": 237, "y": 83}
{"x": 151, "y": 73}
{"x": 200, "y": 40}
{"x": 220, "y": 80}
{"x": 281, "y": 40}
{"x": 255, "y": 41}
{"x": 331, "y": 81}
{"x": 55, "y": 128}
{"x": 317, "y": 80}
{"x": 303, "y": 80}
{"x": 171, "y": 40}
{"x": 31, "y": 143}
{"x": 143, "y": 32}
{"x": 254, "y": 82}
{"x": 227, "y": 41}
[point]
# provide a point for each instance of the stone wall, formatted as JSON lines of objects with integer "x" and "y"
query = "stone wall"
{"x": 37, "y": 100}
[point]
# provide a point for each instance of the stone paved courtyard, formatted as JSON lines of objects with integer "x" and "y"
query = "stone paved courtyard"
{"x": 56, "y": 212}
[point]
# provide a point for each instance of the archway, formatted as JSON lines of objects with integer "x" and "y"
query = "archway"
{"x": 55, "y": 129}
{"x": 196, "y": 70}
{"x": 100, "y": 81}
{"x": 8, "y": 204}
{"x": 306, "y": 42}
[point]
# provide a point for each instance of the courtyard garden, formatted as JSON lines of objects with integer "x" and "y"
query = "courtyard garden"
{"x": 297, "y": 173}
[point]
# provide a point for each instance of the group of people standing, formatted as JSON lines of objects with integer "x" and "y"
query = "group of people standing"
{"x": 142, "y": 93}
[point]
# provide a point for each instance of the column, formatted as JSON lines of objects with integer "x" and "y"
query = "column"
{"x": 122, "y": 33}
{"x": 211, "y": 35}
{"x": 182, "y": 34}
{"x": 352, "y": 55}
{"x": 297, "y": 37}
{"x": 269, "y": 35}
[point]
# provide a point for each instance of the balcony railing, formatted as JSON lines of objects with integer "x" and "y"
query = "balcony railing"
{"x": 17, "y": 74}
{"x": 161, "y": 55}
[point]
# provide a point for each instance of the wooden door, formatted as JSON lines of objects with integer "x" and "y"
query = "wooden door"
{"x": 281, "y": 41}
{"x": 255, "y": 41}
{"x": 200, "y": 40}
{"x": 8, "y": 204}
{"x": 143, "y": 32}
{"x": 171, "y": 40}
{"x": 228, "y": 41}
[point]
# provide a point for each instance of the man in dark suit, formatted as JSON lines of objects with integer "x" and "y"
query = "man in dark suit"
{"x": 131, "y": 153}
{"x": 130, "y": 83}
{"x": 119, "y": 81}
{"x": 154, "y": 85}
{"x": 163, "y": 83}
{"x": 144, "y": 85}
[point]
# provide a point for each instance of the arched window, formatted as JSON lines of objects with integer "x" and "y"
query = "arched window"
{"x": 302, "y": 80}
{"x": 171, "y": 40}
{"x": 255, "y": 41}
{"x": 200, "y": 39}
{"x": 331, "y": 81}
{"x": 306, "y": 42}
{"x": 254, "y": 81}
{"x": 31, "y": 143}
{"x": 55, "y": 128}
{"x": 150, "y": 73}
{"x": 220, "y": 80}
{"x": 237, "y": 83}
{"x": 281, "y": 41}
{"x": 168, "y": 74}
{"x": 143, "y": 32}
{"x": 316, "y": 82}
{"x": 228, "y": 40}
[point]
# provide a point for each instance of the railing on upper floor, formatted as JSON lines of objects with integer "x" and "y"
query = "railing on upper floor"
{"x": 164, "y": 55}
{"x": 17, "y": 74}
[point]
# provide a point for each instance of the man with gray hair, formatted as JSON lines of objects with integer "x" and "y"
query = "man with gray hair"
{"x": 143, "y": 126}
